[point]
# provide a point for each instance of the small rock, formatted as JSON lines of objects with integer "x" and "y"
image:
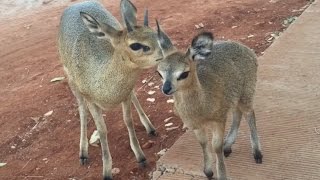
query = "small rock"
{"x": 148, "y": 144}
{"x": 95, "y": 139}
{"x": 36, "y": 119}
{"x": 144, "y": 81}
{"x": 44, "y": 159}
{"x": 115, "y": 171}
{"x": 170, "y": 170}
{"x": 49, "y": 113}
{"x": 151, "y": 92}
{"x": 13, "y": 147}
{"x": 234, "y": 27}
{"x": 150, "y": 84}
{"x": 200, "y": 25}
{"x": 2, "y": 164}
{"x": 168, "y": 124}
{"x": 168, "y": 119}
{"x": 57, "y": 79}
{"x": 270, "y": 39}
{"x": 274, "y": 35}
{"x": 162, "y": 152}
{"x": 170, "y": 101}
{"x": 156, "y": 87}
{"x": 151, "y": 99}
{"x": 251, "y": 36}
{"x": 289, "y": 20}
{"x": 172, "y": 128}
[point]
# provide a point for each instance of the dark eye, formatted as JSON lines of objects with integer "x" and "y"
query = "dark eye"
{"x": 136, "y": 46}
{"x": 183, "y": 75}
{"x": 146, "y": 48}
{"x": 159, "y": 74}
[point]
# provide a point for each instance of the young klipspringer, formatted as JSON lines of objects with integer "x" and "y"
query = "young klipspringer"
{"x": 209, "y": 80}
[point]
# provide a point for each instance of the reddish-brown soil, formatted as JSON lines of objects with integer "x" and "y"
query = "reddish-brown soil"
{"x": 28, "y": 57}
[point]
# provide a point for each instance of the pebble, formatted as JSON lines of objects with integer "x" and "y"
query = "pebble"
{"x": 172, "y": 128}
{"x": 150, "y": 84}
{"x": 115, "y": 171}
{"x": 162, "y": 152}
{"x": 151, "y": 99}
{"x": 170, "y": 101}
{"x": 168, "y": 119}
{"x": 151, "y": 92}
{"x": 148, "y": 144}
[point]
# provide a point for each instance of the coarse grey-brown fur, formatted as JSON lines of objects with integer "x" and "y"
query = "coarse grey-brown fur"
{"x": 102, "y": 67}
{"x": 211, "y": 79}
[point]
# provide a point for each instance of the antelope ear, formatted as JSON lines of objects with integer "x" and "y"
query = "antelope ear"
{"x": 201, "y": 46}
{"x": 146, "y": 18}
{"x": 188, "y": 52}
{"x": 164, "y": 40}
{"x": 101, "y": 30}
{"x": 128, "y": 13}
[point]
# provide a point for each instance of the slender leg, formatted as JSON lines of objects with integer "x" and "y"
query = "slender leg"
{"x": 134, "y": 143}
{"x": 83, "y": 112}
{"x": 217, "y": 143}
{"x": 201, "y": 136}
{"x": 96, "y": 113}
{"x": 255, "y": 142}
{"x": 232, "y": 134}
{"x": 143, "y": 117}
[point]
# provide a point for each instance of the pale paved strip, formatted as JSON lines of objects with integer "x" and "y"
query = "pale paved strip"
{"x": 287, "y": 108}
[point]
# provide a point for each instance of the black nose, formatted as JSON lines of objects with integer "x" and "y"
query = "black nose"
{"x": 166, "y": 88}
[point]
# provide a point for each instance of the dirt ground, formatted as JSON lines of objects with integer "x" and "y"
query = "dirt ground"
{"x": 38, "y": 147}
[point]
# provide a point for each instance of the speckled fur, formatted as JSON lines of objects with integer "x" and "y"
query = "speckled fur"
{"x": 222, "y": 77}
{"x": 102, "y": 69}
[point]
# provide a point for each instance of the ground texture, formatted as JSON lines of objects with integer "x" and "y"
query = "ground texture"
{"x": 34, "y": 146}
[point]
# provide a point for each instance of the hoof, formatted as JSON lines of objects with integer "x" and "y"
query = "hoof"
{"x": 107, "y": 178}
{"x": 142, "y": 163}
{"x": 227, "y": 152}
{"x": 153, "y": 133}
{"x": 84, "y": 160}
{"x": 209, "y": 174}
{"x": 258, "y": 156}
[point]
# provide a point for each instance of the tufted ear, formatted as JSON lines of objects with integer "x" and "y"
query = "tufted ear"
{"x": 101, "y": 30}
{"x": 164, "y": 40}
{"x": 201, "y": 46}
{"x": 128, "y": 13}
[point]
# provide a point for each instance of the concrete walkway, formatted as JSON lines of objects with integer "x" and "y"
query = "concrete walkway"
{"x": 288, "y": 115}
